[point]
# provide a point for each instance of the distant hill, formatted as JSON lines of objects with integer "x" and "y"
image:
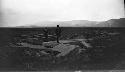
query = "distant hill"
{"x": 80, "y": 23}
{"x": 112, "y": 23}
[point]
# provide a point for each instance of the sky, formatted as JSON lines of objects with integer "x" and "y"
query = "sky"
{"x": 23, "y": 12}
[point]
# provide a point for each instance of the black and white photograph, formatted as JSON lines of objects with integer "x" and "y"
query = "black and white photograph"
{"x": 62, "y": 35}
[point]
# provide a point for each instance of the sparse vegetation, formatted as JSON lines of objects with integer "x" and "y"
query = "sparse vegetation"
{"x": 107, "y": 44}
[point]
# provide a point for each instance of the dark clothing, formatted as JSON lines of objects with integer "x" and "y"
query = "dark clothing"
{"x": 58, "y": 32}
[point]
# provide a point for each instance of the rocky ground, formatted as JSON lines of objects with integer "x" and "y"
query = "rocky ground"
{"x": 96, "y": 50}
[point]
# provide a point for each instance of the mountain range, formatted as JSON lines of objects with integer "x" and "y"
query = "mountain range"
{"x": 80, "y": 23}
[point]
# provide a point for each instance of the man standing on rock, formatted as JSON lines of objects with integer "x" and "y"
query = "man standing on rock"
{"x": 58, "y": 33}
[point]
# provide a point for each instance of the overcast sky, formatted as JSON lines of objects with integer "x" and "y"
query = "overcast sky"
{"x": 22, "y": 12}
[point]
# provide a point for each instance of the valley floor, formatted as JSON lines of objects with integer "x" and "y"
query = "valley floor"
{"x": 87, "y": 49}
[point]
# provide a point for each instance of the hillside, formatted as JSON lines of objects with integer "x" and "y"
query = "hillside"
{"x": 112, "y": 23}
{"x": 79, "y": 23}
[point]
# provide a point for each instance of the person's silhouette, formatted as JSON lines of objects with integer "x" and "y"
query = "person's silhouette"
{"x": 58, "y": 33}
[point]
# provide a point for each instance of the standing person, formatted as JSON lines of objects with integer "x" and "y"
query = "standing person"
{"x": 58, "y": 33}
{"x": 46, "y": 31}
